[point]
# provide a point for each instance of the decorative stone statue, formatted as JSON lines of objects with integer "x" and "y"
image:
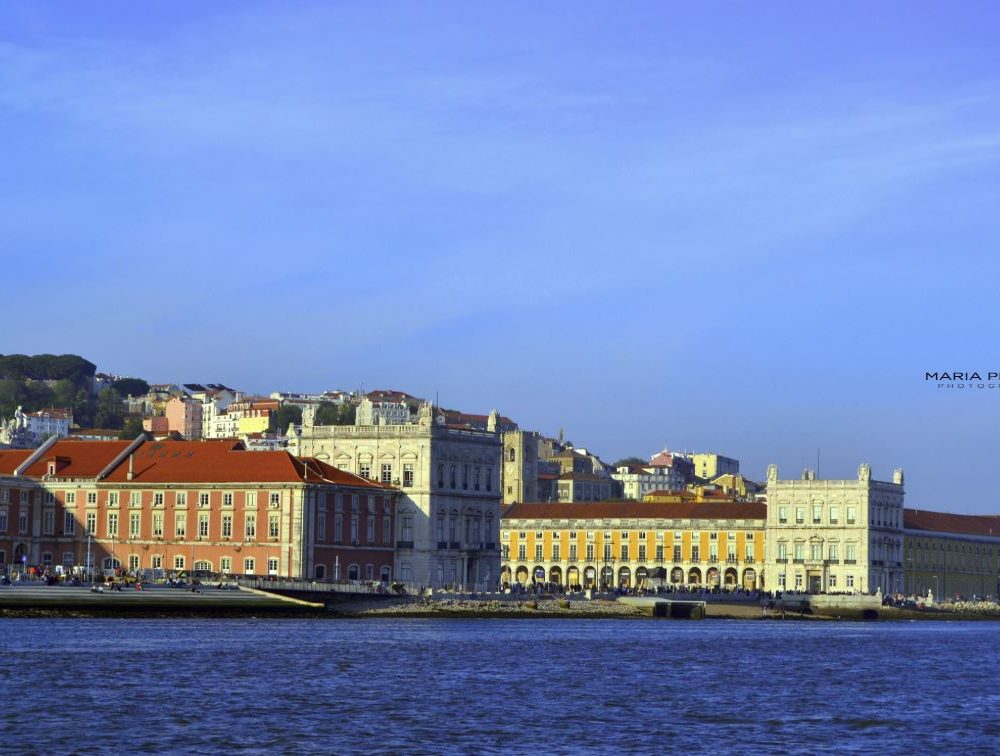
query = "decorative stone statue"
{"x": 491, "y": 423}
{"x": 308, "y": 416}
{"x": 425, "y": 415}
{"x": 772, "y": 473}
{"x": 864, "y": 472}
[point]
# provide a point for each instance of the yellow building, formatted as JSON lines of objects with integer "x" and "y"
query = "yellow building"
{"x": 633, "y": 544}
{"x": 951, "y": 555}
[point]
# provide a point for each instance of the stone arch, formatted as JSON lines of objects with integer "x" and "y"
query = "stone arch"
{"x": 624, "y": 577}
{"x": 538, "y": 574}
{"x": 505, "y": 575}
{"x": 590, "y": 577}
{"x": 712, "y": 577}
{"x": 677, "y": 575}
{"x": 607, "y": 577}
{"x": 694, "y": 576}
{"x": 572, "y": 576}
{"x": 641, "y": 576}
{"x": 730, "y": 577}
{"x": 555, "y": 575}
{"x": 749, "y": 578}
{"x": 522, "y": 575}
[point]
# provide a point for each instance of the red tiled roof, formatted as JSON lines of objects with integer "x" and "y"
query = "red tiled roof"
{"x": 636, "y": 510}
{"x": 78, "y": 458}
{"x": 11, "y": 458}
{"x": 226, "y": 462}
{"x": 944, "y": 522}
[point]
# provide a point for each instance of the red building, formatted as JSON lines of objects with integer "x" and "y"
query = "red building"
{"x": 210, "y": 506}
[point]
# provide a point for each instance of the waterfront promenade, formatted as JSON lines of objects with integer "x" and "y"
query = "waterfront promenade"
{"x": 28, "y": 596}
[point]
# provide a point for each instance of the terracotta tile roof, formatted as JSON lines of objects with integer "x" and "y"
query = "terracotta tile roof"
{"x": 644, "y": 510}
{"x": 226, "y": 461}
{"x": 944, "y": 522}
{"x": 78, "y": 458}
{"x": 11, "y": 458}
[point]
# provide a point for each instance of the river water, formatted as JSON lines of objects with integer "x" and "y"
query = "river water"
{"x": 497, "y": 686}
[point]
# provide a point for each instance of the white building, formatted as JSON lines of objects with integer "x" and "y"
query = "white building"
{"x": 448, "y": 516}
{"x": 638, "y": 480}
{"x": 30, "y": 429}
{"x": 834, "y": 536}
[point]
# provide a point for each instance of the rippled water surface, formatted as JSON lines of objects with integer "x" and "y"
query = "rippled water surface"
{"x": 501, "y": 686}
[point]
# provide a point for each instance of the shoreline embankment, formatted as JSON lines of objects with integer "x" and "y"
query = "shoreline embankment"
{"x": 209, "y": 603}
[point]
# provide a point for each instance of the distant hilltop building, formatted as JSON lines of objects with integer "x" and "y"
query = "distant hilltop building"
{"x": 26, "y": 430}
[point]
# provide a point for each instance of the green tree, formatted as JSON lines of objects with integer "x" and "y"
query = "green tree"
{"x": 131, "y": 387}
{"x": 109, "y": 412}
{"x": 285, "y": 416}
{"x": 327, "y": 413}
{"x": 630, "y": 461}
{"x": 132, "y": 428}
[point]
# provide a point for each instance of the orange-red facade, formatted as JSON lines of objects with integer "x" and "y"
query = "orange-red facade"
{"x": 174, "y": 506}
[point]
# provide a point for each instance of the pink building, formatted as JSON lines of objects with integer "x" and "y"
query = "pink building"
{"x": 184, "y": 416}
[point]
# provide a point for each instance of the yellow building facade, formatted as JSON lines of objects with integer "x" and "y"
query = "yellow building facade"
{"x": 625, "y": 544}
{"x": 951, "y": 555}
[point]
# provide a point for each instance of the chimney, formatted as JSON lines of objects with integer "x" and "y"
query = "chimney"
{"x": 130, "y": 474}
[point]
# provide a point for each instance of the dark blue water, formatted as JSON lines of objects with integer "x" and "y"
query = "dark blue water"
{"x": 499, "y": 686}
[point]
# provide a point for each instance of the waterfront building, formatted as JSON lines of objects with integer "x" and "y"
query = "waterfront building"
{"x": 449, "y": 490}
{"x": 636, "y": 481}
{"x": 206, "y": 506}
{"x": 951, "y": 555}
{"x": 634, "y": 543}
{"x": 833, "y": 536}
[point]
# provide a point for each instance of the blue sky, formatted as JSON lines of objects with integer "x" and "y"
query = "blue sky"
{"x": 740, "y": 227}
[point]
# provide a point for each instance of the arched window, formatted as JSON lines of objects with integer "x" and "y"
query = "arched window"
{"x": 384, "y": 574}
{"x": 320, "y": 571}
{"x": 353, "y": 572}
{"x": 511, "y": 454}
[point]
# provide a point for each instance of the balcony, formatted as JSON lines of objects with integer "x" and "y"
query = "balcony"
{"x": 454, "y": 545}
{"x": 832, "y": 561}
{"x": 749, "y": 560}
{"x": 850, "y": 561}
{"x": 781, "y": 560}
{"x": 713, "y": 560}
{"x": 492, "y": 547}
{"x": 798, "y": 561}
{"x": 404, "y": 544}
{"x": 732, "y": 560}
{"x": 442, "y": 544}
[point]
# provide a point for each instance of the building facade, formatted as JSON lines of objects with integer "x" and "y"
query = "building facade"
{"x": 520, "y": 466}
{"x": 184, "y": 416}
{"x": 177, "y": 506}
{"x": 951, "y": 555}
{"x": 709, "y": 465}
{"x": 629, "y": 543}
{"x": 635, "y": 481}
{"x": 835, "y": 536}
{"x": 448, "y": 517}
